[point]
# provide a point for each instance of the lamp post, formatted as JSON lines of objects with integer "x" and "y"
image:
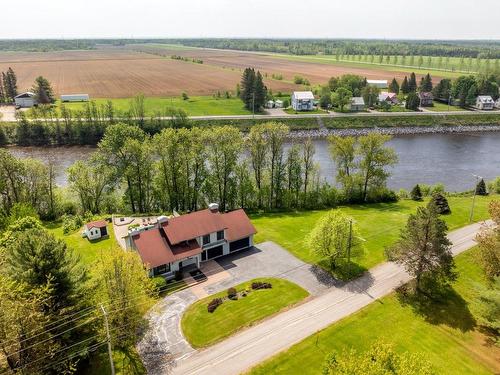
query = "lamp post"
{"x": 474, "y": 198}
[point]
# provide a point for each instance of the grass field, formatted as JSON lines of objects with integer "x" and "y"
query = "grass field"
{"x": 378, "y": 225}
{"x": 194, "y": 106}
{"x": 441, "y": 107}
{"x": 445, "y": 333}
{"x": 202, "y": 328}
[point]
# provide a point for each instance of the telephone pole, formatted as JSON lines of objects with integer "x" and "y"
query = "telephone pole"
{"x": 111, "y": 364}
{"x": 474, "y": 198}
{"x": 349, "y": 244}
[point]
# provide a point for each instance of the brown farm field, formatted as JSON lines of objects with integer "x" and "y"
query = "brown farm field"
{"x": 122, "y": 72}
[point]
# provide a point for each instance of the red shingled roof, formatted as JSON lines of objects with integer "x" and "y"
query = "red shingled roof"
{"x": 238, "y": 225}
{"x": 196, "y": 224}
{"x": 96, "y": 224}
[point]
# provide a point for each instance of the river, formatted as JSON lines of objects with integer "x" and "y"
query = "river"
{"x": 451, "y": 159}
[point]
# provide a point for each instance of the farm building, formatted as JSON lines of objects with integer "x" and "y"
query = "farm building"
{"x": 181, "y": 243}
{"x": 357, "y": 104}
{"x": 485, "y": 102}
{"x": 25, "y": 100}
{"x": 95, "y": 229}
{"x": 278, "y": 103}
{"x": 75, "y": 98}
{"x": 380, "y": 83}
{"x": 388, "y": 97}
{"x": 426, "y": 99}
{"x": 302, "y": 100}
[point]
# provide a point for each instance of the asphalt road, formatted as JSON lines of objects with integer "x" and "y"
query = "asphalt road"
{"x": 252, "y": 346}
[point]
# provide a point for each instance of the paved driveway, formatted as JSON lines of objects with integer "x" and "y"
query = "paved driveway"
{"x": 163, "y": 343}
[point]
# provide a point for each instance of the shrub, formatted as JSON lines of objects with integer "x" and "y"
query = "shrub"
{"x": 213, "y": 304}
{"x": 494, "y": 186}
{"x": 159, "y": 284}
{"x": 261, "y": 285}
{"x": 184, "y": 95}
{"x": 416, "y": 193}
{"x": 232, "y": 294}
{"x": 439, "y": 203}
{"x": 481, "y": 188}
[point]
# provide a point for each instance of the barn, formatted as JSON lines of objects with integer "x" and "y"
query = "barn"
{"x": 25, "y": 100}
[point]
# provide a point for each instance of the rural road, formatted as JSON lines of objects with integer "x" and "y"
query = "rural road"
{"x": 254, "y": 345}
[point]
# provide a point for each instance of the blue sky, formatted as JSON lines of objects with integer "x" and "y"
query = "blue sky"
{"x": 425, "y": 19}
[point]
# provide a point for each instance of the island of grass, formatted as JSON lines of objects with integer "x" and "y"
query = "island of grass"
{"x": 446, "y": 333}
{"x": 202, "y": 328}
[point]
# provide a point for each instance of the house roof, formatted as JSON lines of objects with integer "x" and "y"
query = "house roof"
{"x": 238, "y": 225}
{"x": 27, "y": 94}
{"x": 376, "y": 81}
{"x": 357, "y": 100}
{"x": 303, "y": 95}
{"x": 154, "y": 249}
{"x": 425, "y": 95}
{"x": 96, "y": 224}
{"x": 386, "y": 95}
{"x": 195, "y": 224}
{"x": 485, "y": 99}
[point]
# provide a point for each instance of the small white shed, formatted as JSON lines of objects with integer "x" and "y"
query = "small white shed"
{"x": 278, "y": 103}
{"x": 75, "y": 98}
{"x": 270, "y": 104}
{"x": 380, "y": 83}
{"x": 95, "y": 229}
{"x": 25, "y": 100}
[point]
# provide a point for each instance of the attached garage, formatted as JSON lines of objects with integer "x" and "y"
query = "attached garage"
{"x": 211, "y": 253}
{"x": 239, "y": 244}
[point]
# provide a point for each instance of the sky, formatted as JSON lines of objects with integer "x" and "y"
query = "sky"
{"x": 423, "y": 19}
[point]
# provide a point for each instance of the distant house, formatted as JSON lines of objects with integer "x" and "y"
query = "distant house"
{"x": 75, "y": 98}
{"x": 278, "y": 103}
{"x": 25, "y": 100}
{"x": 95, "y": 229}
{"x": 183, "y": 242}
{"x": 485, "y": 102}
{"x": 303, "y": 101}
{"x": 380, "y": 83}
{"x": 357, "y": 103}
{"x": 388, "y": 97}
{"x": 426, "y": 99}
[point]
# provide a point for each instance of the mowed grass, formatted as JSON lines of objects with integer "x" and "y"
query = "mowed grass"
{"x": 442, "y": 107}
{"x": 194, "y": 106}
{"x": 202, "y": 328}
{"x": 446, "y": 334}
{"x": 378, "y": 224}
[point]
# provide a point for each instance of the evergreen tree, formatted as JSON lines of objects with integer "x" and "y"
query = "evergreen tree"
{"x": 394, "y": 86}
{"x": 10, "y": 85}
{"x": 412, "y": 101}
{"x": 2, "y": 90}
{"x": 481, "y": 188}
{"x": 260, "y": 91}
{"x": 247, "y": 87}
{"x": 470, "y": 99}
{"x": 439, "y": 203}
{"x": 426, "y": 84}
{"x": 416, "y": 193}
{"x": 405, "y": 88}
{"x": 43, "y": 91}
{"x": 412, "y": 83}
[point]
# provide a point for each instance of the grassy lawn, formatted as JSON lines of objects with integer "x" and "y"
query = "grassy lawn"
{"x": 202, "y": 328}
{"x": 194, "y": 106}
{"x": 441, "y": 107}
{"x": 292, "y": 111}
{"x": 446, "y": 333}
{"x": 378, "y": 224}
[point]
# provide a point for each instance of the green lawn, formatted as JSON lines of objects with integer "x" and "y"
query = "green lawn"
{"x": 441, "y": 107}
{"x": 202, "y": 328}
{"x": 446, "y": 333}
{"x": 292, "y": 111}
{"x": 378, "y": 224}
{"x": 194, "y": 106}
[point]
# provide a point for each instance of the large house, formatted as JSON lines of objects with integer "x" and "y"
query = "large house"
{"x": 426, "y": 99}
{"x": 25, "y": 100}
{"x": 388, "y": 97}
{"x": 173, "y": 244}
{"x": 302, "y": 101}
{"x": 485, "y": 102}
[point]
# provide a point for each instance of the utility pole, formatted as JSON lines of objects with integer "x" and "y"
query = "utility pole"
{"x": 111, "y": 364}
{"x": 349, "y": 244}
{"x": 253, "y": 105}
{"x": 473, "y": 198}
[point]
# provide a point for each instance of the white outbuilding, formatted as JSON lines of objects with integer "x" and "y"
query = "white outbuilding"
{"x": 95, "y": 229}
{"x": 302, "y": 101}
{"x": 25, "y": 100}
{"x": 380, "y": 83}
{"x": 75, "y": 98}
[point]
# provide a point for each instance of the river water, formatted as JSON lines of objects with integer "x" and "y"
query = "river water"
{"x": 451, "y": 159}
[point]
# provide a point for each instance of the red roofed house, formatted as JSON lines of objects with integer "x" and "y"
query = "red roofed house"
{"x": 388, "y": 97}
{"x": 175, "y": 243}
{"x": 95, "y": 229}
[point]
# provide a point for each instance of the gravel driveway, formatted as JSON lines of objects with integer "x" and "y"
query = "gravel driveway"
{"x": 163, "y": 342}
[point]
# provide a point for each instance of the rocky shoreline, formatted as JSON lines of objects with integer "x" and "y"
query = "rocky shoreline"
{"x": 407, "y": 130}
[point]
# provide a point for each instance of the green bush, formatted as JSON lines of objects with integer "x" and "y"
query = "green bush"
{"x": 261, "y": 285}
{"x": 494, "y": 186}
{"x": 416, "y": 193}
{"x": 232, "y": 294}
{"x": 159, "y": 283}
{"x": 213, "y": 304}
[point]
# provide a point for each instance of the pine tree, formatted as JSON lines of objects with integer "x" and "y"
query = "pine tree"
{"x": 439, "y": 203}
{"x": 10, "y": 85}
{"x": 412, "y": 101}
{"x": 426, "y": 83}
{"x": 471, "y": 96}
{"x": 416, "y": 193}
{"x": 247, "y": 87}
{"x": 405, "y": 89}
{"x": 43, "y": 91}
{"x": 2, "y": 93}
{"x": 481, "y": 188}
{"x": 394, "y": 86}
{"x": 412, "y": 83}
{"x": 260, "y": 91}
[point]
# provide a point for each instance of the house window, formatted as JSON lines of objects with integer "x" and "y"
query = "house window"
{"x": 220, "y": 235}
{"x": 164, "y": 268}
{"x": 206, "y": 239}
